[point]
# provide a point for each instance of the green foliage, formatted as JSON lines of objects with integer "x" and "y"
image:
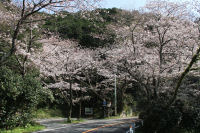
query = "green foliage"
{"x": 151, "y": 45}
{"x": 25, "y": 37}
{"x": 107, "y": 14}
{"x": 191, "y": 119}
{"x": 21, "y": 36}
{"x": 26, "y": 129}
{"x": 91, "y": 31}
{"x": 19, "y": 96}
{"x": 5, "y": 28}
{"x": 174, "y": 119}
{"x": 87, "y": 32}
{"x": 161, "y": 120}
{"x": 47, "y": 113}
{"x": 4, "y": 46}
{"x": 70, "y": 26}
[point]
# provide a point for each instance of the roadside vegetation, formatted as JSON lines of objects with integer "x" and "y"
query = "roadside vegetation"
{"x": 73, "y": 121}
{"x": 29, "y": 128}
{"x": 44, "y": 113}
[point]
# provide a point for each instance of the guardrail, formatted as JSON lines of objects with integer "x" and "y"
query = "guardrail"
{"x": 134, "y": 126}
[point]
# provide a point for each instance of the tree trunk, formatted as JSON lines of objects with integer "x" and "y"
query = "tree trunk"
{"x": 70, "y": 104}
{"x": 187, "y": 70}
{"x": 80, "y": 106}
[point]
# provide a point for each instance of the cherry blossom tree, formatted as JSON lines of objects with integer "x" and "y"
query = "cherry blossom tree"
{"x": 157, "y": 51}
{"x": 62, "y": 59}
{"x": 73, "y": 69}
{"x": 183, "y": 43}
{"x": 152, "y": 51}
{"x": 29, "y": 8}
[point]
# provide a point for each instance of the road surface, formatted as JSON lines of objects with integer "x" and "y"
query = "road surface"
{"x": 91, "y": 126}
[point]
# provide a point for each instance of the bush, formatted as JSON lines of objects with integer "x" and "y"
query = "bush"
{"x": 191, "y": 119}
{"x": 175, "y": 119}
{"x": 19, "y": 96}
{"x": 161, "y": 120}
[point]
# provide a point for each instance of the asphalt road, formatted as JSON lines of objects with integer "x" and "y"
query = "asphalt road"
{"x": 91, "y": 126}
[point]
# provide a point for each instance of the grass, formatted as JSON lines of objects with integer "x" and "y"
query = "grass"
{"x": 72, "y": 121}
{"x": 118, "y": 117}
{"x": 28, "y": 129}
{"x": 47, "y": 113}
{"x": 113, "y": 117}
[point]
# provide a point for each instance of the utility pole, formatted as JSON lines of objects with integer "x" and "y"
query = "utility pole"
{"x": 115, "y": 96}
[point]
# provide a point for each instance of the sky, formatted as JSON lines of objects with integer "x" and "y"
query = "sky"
{"x": 124, "y": 4}
{"x": 128, "y": 4}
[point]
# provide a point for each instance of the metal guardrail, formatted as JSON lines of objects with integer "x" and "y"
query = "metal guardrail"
{"x": 134, "y": 126}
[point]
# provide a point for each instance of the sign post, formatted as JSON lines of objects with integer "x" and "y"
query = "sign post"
{"x": 104, "y": 108}
{"x": 115, "y": 96}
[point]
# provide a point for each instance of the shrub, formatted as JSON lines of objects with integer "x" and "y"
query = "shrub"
{"x": 191, "y": 119}
{"x": 174, "y": 119}
{"x": 19, "y": 95}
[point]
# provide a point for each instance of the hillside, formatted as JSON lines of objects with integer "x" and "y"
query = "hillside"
{"x": 91, "y": 30}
